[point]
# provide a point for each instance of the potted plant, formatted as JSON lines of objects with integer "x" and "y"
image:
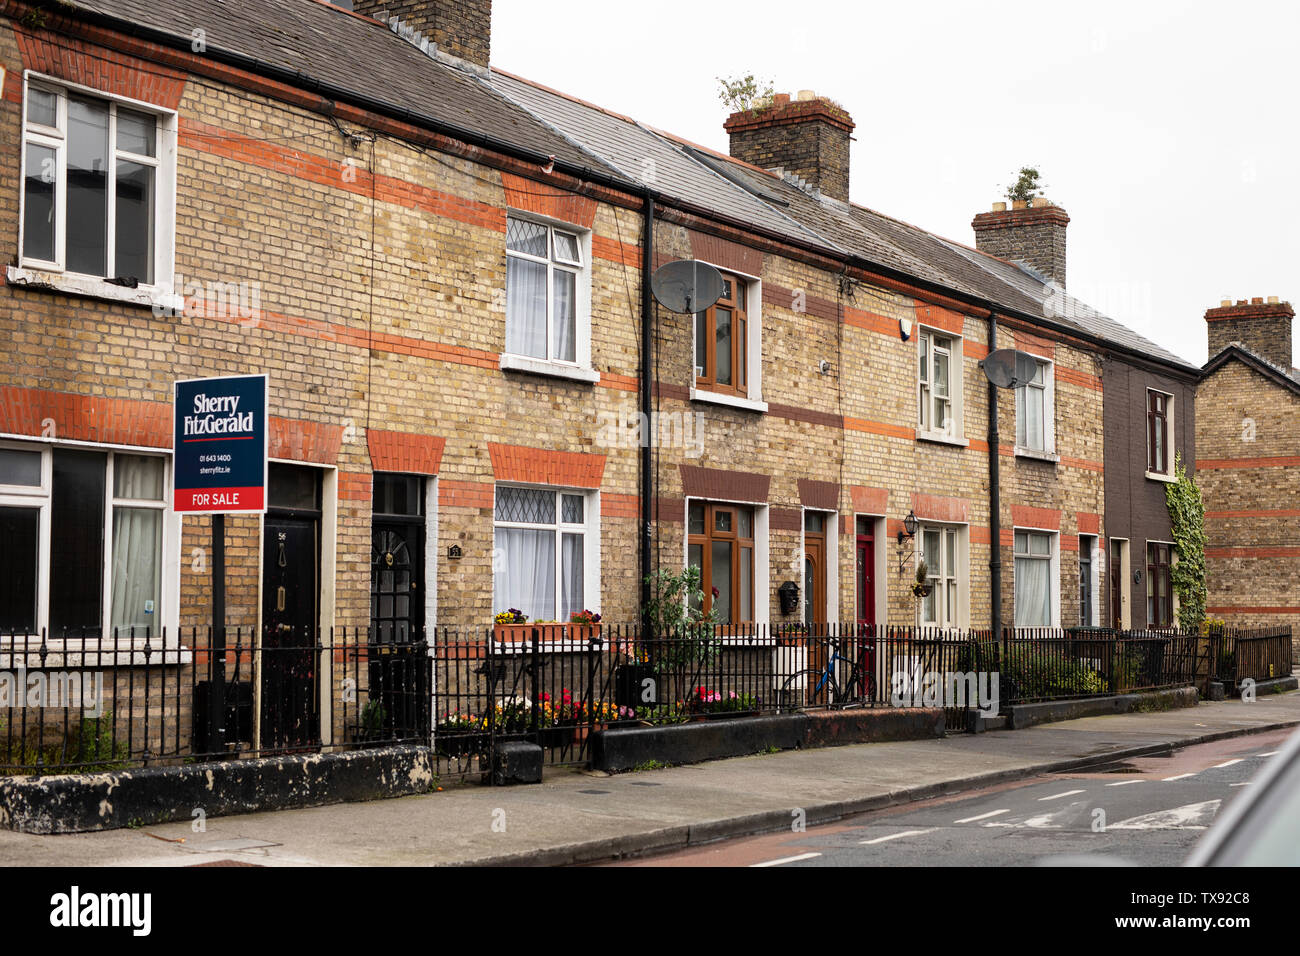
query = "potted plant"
{"x": 921, "y": 587}
{"x": 584, "y": 626}
{"x": 512, "y": 626}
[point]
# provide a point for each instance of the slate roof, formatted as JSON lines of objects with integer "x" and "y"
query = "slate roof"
{"x": 332, "y": 45}
{"x": 639, "y": 153}
{"x": 326, "y": 44}
{"x": 1287, "y": 377}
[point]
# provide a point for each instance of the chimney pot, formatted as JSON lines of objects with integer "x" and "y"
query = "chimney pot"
{"x": 1019, "y": 204}
{"x": 1225, "y": 303}
{"x": 805, "y": 95}
{"x": 999, "y": 207}
{"x": 1258, "y": 300}
{"x": 782, "y": 99}
{"x": 1272, "y": 300}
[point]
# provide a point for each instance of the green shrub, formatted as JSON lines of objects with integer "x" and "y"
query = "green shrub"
{"x": 1035, "y": 676}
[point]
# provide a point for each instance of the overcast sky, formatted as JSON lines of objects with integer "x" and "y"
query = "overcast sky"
{"x": 1168, "y": 131}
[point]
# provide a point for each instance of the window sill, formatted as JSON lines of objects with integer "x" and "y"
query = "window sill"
{"x": 1037, "y": 455}
{"x": 536, "y": 366}
{"x": 731, "y": 401}
{"x": 1157, "y": 476}
{"x": 66, "y": 653}
{"x": 150, "y": 296}
{"x": 941, "y": 438}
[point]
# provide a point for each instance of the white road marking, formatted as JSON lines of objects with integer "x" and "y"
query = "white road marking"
{"x": 1271, "y": 753}
{"x": 982, "y": 816}
{"x": 896, "y": 836}
{"x": 1181, "y": 776}
{"x": 1244, "y": 783}
{"x": 787, "y": 859}
{"x": 1227, "y": 763}
{"x": 1057, "y": 796}
{"x": 1122, "y": 783}
{"x": 1193, "y": 816}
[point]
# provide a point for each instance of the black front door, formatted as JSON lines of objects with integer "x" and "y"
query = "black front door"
{"x": 396, "y": 582}
{"x": 395, "y": 704}
{"x": 290, "y": 709}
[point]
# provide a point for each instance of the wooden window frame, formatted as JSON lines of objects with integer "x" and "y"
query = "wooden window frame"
{"x": 706, "y": 374}
{"x": 740, "y": 544}
{"x": 1157, "y": 571}
{"x": 1158, "y": 424}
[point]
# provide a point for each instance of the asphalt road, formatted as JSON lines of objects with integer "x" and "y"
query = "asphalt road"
{"x": 1145, "y": 812}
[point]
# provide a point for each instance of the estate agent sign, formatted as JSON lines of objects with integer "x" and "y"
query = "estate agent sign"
{"x": 220, "y": 445}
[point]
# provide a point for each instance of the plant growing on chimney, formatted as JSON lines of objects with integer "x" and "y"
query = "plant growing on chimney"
{"x": 741, "y": 94}
{"x": 1027, "y": 186}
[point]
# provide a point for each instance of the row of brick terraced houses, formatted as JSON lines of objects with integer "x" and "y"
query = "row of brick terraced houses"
{"x": 442, "y": 268}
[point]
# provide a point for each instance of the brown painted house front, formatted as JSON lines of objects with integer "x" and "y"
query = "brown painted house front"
{"x": 1138, "y": 535}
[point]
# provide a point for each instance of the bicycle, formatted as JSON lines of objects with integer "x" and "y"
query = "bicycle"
{"x": 810, "y": 682}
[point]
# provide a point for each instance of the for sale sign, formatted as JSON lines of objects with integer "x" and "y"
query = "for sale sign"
{"x": 220, "y": 444}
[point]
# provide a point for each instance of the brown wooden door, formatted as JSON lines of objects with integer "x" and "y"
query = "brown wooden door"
{"x": 814, "y": 569}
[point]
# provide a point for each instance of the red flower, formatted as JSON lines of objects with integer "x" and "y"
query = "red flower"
{"x": 715, "y": 592}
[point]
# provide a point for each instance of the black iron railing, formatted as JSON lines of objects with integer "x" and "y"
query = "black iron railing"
{"x": 82, "y": 701}
{"x": 1237, "y": 653}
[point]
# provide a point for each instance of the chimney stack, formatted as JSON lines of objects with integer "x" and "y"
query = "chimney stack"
{"x": 1263, "y": 327}
{"x": 1032, "y": 232}
{"x": 460, "y": 28}
{"x": 807, "y": 137}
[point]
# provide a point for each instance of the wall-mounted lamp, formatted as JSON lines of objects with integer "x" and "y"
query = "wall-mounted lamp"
{"x": 909, "y": 531}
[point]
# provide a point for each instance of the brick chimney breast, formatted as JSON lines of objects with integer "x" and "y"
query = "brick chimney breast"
{"x": 460, "y": 28}
{"x": 1032, "y": 234}
{"x": 1263, "y": 327}
{"x": 807, "y": 136}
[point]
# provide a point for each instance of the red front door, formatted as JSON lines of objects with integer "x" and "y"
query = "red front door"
{"x": 865, "y": 576}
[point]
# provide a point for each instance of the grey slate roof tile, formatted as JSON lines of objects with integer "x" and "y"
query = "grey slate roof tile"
{"x": 332, "y": 45}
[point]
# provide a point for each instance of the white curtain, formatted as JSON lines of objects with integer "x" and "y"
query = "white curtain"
{"x": 1033, "y": 597}
{"x": 572, "y": 571}
{"x": 137, "y": 558}
{"x": 566, "y": 342}
{"x": 525, "y": 572}
{"x": 525, "y": 307}
{"x": 137, "y": 544}
{"x": 1029, "y": 417}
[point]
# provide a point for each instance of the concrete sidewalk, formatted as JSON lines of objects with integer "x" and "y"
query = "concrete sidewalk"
{"x": 578, "y": 817}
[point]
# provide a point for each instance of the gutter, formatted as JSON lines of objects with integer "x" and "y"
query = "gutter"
{"x": 648, "y": 314}
{"x": 995, "y": 495}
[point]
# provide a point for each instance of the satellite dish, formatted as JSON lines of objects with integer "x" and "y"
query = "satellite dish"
{"x": 1010, "y": 368}
{"x": 686, "y": 285}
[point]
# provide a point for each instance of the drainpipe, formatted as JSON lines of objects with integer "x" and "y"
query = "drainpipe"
{"x": 995, "y": 496}
{"x": 647, "y": 384}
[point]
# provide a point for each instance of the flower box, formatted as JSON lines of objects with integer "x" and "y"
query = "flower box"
{"x": 551, "y": 633}
{"x": 523, "y": 633}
